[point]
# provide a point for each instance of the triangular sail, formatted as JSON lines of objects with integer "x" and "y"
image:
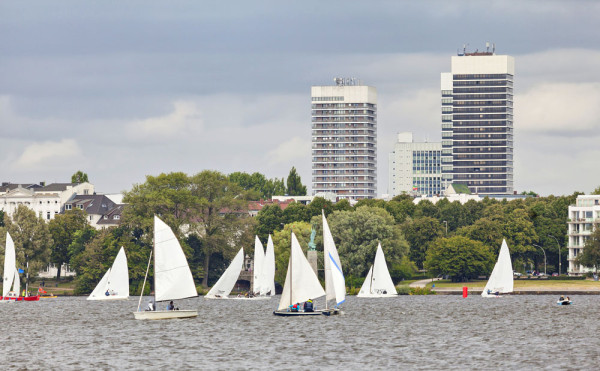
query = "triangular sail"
{"x": 226, "y": 282}
{"x": 365, "y": 289}
{"x": 301, "y": 282}
{"x": 268, "y": 271}
{"x": 335, "y": 285}
{"x": 381, "y": 283}
{"x": 259, "y": 257}
{"x": 10, "y": 264}
{"x": 172, "y": 275}
{"x": 100, "y": 290}
{"x": 501, "y": 279}
{"x": 17, "y": 283}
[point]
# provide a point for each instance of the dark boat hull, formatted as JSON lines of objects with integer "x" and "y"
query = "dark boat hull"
{"x": 295, "y": 314}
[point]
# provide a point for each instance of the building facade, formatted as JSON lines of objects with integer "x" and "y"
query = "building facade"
{"x": 45, "y": 200}
{"x": 344, "y": 139}
{"x": 584, "y": 217}
{"x": 477, "y": 122}
{"x": 101, "y": 211}
{"x": 415, "y": 167}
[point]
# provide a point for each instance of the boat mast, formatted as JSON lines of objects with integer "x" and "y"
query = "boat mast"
{"x": 371, "y": 282}
{"x": 144, "y": 284}
{"x": 291, "y": 265}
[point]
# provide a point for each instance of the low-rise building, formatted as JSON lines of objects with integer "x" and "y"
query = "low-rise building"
{"x": 584, "y": 217}
{"x": 101, "y": 210}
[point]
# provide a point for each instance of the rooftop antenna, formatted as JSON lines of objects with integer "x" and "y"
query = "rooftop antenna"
{"x": 487, "y": 46}
{"x": 494, "y": 48}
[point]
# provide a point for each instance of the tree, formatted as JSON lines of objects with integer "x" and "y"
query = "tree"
{"x": 257, "y": 182}
{"x": 282, "y": 245}
{"x": 32, "y": 239}
{"x": 294, "y": 184}
{"x": 590, "y": 256}
{"x": 459, "y": 257}
{"x": 316, "y": 205}
{"x": 357, "y": 233}
{"x": 295, "y": 212}
{"x": 63, "y": 228}
{"x": 596, "y": 191}
{"x": 420, "y": 233}
{"x": 269, "y": 220}
{"x": 79, "y": 177}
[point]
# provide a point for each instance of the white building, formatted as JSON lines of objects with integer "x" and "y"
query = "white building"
{"x": 101, "y": 210}
{"x": 344, "y": 139}
{"x": 477, "y": 122}
{"x": 45, "y": 200}
{"x": 584, "y": 217}
{"x": 415, "y": 168}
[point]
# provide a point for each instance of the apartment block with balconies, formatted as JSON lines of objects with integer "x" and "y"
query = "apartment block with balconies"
{"x": 584, "y": 217}
{"x": 344, "y": 139}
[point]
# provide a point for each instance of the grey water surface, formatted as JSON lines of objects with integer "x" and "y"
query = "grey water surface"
{"x": 407, "y": 332}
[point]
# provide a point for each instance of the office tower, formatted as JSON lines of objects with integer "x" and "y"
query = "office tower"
{"x": 477, "y": 122}
{"x": 344, "y": 139}
{"x": 415, "y": 167}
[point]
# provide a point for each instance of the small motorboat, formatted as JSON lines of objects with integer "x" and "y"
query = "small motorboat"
{"x": 564, "y": 302}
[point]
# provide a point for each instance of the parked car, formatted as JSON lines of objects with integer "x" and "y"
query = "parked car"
{"x": 555, "y": 274}
{"x": 517, "y": 274}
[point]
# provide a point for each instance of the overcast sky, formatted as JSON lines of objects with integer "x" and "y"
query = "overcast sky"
{"x": 125, "y": 89}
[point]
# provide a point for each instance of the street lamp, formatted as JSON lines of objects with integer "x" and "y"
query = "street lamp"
{"x": 544, "y": 257}
{"x": 446, "y": 223}
{"x": 559, "y": 264}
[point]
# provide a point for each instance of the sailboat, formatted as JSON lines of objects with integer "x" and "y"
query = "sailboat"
{"x": 11, "y": 275}
{"x": 501, "y": 279}
{"x": 378, "y": 283}
{"x": 267, "y": 283}
{"x": 335, "y": 284}
{"x": 225, "y": 284}
{"x": 301, "y": 283}
{"x": 172, "y": 275}
{"x": 114, "y": 285}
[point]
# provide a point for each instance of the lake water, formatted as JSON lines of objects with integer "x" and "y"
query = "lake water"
{"x": 408, "y": 332}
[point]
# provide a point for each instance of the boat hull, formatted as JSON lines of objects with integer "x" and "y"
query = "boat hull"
{"x": 563, "y": 302}
{"x": 330, "y": 312}
{"x": 166, "y": 314}
{"x": 285, "y": 313}
{"x": 377, "y": 295}
{"x": 108, "y": 298}
{"x": 21, "y": 298}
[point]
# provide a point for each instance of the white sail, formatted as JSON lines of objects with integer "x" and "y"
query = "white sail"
{"x": 301, "y": 282}
{"x": 335, "y": 285}
{"x": 115, "y": 281}
{"x": 268, "y": 271}
{"x": 172, "y": 275}
{"x": 259, "y": 257}
{"x": 100, "y": 289}
{"x": 501, "y": 279}
{"x": 17, "y": 283}
{"x": 226, "y": 282}
{"x": 10, "y": 264}
{"x": 365, "y": 289}
{"x": 380, "y": 284}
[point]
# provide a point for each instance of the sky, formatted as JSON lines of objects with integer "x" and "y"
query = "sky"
{"x": 121, "y": 90}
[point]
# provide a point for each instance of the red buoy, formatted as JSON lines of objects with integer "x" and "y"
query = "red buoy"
{"x": 465, "y": 291}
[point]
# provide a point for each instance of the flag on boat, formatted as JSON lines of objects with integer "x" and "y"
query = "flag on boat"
{"x": 42, "y": 291}
{"x": 21, "y": 271}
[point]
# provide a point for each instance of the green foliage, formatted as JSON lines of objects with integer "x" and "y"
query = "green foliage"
{"x": 79, "y": 177}
{"x": 590, "y": 256}
{"x": 342, "y": 205}
{"x": 357, "y": 233}
{"x": 403, "y": 270}
{"x": 268, "y": 220}
{"x": 566, "y": 278}
{"x": 257, "y": 182}
{"x": 596, "y": 191}
{"x": 403, "y": 289}
{"x": 459, "y": 257}
{"x": 421, "y": 291}
{"x": 420, "y": 233}
{"x": 295, "y": 212}
{"x": 63, "y": 228}
{"x": 31, "y": 236}
{"x": 294, "y": 184}
{"x": 1, "y": 218}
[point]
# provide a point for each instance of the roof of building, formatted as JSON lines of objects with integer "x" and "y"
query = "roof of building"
{"x": 108, "y": 218}
{"x": 93, "y": 204}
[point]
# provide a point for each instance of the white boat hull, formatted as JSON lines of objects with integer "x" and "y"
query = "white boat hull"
{"x": 107, "y": 298}
{"x": 376, "y": 295}
{"x": 166, "y": 314}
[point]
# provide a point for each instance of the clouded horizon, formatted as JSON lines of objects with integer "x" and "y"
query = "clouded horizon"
{"x": 121, "y": 90}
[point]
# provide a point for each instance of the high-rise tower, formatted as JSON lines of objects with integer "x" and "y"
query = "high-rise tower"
{"x": 344, "y": 139}
{"x": 477, "y": 122}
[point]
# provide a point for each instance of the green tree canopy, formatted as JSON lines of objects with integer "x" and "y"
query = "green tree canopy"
{"x": 269, "y": 219}
{"x": 294, "y": 184}
{"x": 79, "y": 177}
{"x": 63, "y": 228}
{"x": 590, "y": 256}
{"x": 459, "y": 257}
{"x": 282, "y": 245}
{"x": 264, "y": 188}
{"x": 420, "y": 233}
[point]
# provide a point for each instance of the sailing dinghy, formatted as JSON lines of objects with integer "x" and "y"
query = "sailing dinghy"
{"x": 335, "y": 284}
{"x": 172, "y": 276}
{"x": 225, "y": 284}
{"x": 267, "y": 283}
{"x": 501, "y": 279}
{"x": 301, "y": 283}
{"x": 11, "y": 275}
{"x": 114, "y": 285}
{"x": 378, "y": 283}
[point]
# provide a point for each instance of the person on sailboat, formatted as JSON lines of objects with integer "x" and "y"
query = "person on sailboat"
{"x": 308, "y": 306}
{"x": 171, "y": 306}
{"x": 562, "y": 298}
{"x": 295, "y": 307}
{"x": 150, "y": 307}
{"x": 107, "y": 293}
